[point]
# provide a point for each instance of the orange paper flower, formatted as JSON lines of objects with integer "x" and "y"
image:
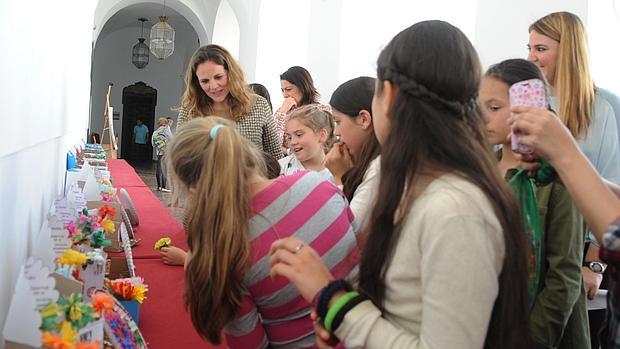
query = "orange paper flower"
{"x": 91, "y": 345}
{"x": 102, "y": 301}
{"x": 107, "y": 210}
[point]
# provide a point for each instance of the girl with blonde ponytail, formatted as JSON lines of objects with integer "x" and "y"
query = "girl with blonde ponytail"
{"x": 234, "y": 213}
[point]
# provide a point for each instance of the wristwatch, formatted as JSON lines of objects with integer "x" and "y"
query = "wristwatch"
{"x": 595, "y": 266}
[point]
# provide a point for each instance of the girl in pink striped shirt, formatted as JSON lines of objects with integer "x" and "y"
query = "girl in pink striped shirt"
{"x": 234, "y": 214}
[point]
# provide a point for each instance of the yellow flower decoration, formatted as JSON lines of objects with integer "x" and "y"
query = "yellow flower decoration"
{"x": 108, "y": 226}
{"x": 68, "y": 333}
{"x": 75, "y": 313}
{"x": 72, "y": 257}
{"x": 49, "y": 310}
{"x": 139, "y": 293}
{"x": 163, "y": 242}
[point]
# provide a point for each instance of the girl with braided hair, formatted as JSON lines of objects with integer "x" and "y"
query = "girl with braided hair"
{"x": 444, "y": 254}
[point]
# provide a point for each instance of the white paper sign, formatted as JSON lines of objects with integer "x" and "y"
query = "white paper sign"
{"x": 92, "y": 332}
{"x": 35, "y": 288}
{"x": 59, "y": 235}
{"x": 23, "y": 321}
{"x": 93, "y": 275}
{"x": 43, "y": 248}
{"x": 41, "y": 284}
{"x": 64, "y": 210}
{"x": 77, "y": 198}
{"x": 91, "y": 189}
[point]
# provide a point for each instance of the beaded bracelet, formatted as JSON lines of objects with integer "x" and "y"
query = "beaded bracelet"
{"x": 333, "y": 310}
{"x": 327, "y": 293}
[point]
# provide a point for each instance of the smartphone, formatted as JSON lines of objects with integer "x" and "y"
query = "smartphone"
{"x": 530, "y": 93}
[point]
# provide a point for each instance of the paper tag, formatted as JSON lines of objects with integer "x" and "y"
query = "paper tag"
{"x": 22, "y": 320}
{"x": 92, "y": 332}
{"x": 64, "y": 210}
{"x": 41, "y": 284}
{"x": 59, "y": 235}
{"x": 93, "y": 275}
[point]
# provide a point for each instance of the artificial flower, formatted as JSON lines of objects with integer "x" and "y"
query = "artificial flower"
{"x": 163, "y": 242}
{"x": 98, "y": 240}
{"x": 54, "y": 341}
{"x": 102, "y": 302}
{"x": 71, "y": 228}
{"x": 49, "y": 314}
{"x": 128, "y": 289}
{"x": 106, "y": 210}
{"x": 106, "y": 197}
{"x": 78, "y": 312}
{"x": 83, "y": 218}
{"x": 69, "y": 334}
{"x": 72, "y": 257}
{"x": 91, "y": 345}
{"x": 108, "y": 226}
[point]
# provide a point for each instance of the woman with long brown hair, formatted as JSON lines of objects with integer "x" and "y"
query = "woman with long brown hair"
{"x": 444, "y": 257}
{"x": 233, "y": 214}
{"x": 215, "y": 85}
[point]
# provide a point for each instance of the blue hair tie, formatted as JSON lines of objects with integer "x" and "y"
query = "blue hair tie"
{"x": 214, "y": 129}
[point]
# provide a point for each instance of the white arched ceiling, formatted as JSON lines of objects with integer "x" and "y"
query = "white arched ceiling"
{"x": 200, "y": 14}
{"x": 226, "y": 29}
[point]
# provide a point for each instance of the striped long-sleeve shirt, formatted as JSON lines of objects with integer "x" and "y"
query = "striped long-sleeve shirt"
{"x": 273, "y": 313}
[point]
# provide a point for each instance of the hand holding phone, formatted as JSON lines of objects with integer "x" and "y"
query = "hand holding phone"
{"x": 531, "y": 93}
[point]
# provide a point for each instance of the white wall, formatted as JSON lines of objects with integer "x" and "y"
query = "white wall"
{"x": 603, "y": 29}
{"x": 501, "y": 26}
{"x": 226, "y": 29}
{"x": 45, "y": 67}
{"x": 112, "y": 63}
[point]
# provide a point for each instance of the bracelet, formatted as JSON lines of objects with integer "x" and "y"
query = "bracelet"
{"x": 326, "y": 295}
{"x": 333, "y": 310}
{"x": 345, "y": 309}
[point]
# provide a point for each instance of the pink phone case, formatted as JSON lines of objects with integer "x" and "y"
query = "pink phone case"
{"x": 529, "y": 93}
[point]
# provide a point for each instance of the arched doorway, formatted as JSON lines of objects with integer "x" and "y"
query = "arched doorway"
{"x": 139, "y": 101}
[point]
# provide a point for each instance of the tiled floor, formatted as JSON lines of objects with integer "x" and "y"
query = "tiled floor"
{"x": 146, "y": 171}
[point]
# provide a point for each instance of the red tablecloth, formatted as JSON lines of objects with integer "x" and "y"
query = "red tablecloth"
{"x": 163, "y": 320}
{"x": 155, "y": 222}
{"x": 123, "y": 175}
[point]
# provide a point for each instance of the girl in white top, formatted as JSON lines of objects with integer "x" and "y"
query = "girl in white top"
{"x": 444, "y": 254}
{"x": 354, "y": 160}
{"x": 310, "y": 131}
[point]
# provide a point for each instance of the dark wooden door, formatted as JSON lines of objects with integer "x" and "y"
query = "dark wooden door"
{"x": 139, "y": 101}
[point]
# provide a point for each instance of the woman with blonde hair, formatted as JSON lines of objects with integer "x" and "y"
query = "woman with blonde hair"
{"x": 233, "y": 214}
{"x": 558, "y": 45}
{"x": 215, "y": 85}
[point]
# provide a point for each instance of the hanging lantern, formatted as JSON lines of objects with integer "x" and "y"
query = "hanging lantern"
{"x": 140, "y": 51}
{"x": 162, "y": 39}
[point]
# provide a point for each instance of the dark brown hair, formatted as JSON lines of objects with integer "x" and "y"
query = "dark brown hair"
{"x": 301, "y": 78}
{"x": 436, "y": 121}
{"x": 351, "y": 98}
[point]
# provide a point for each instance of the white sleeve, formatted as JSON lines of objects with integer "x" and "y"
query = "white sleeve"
{"x": 459, "y": 279}
{"x": 366, "y": 192}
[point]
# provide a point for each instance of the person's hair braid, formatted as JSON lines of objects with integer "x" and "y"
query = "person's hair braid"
{"x": 415, "y": 89}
